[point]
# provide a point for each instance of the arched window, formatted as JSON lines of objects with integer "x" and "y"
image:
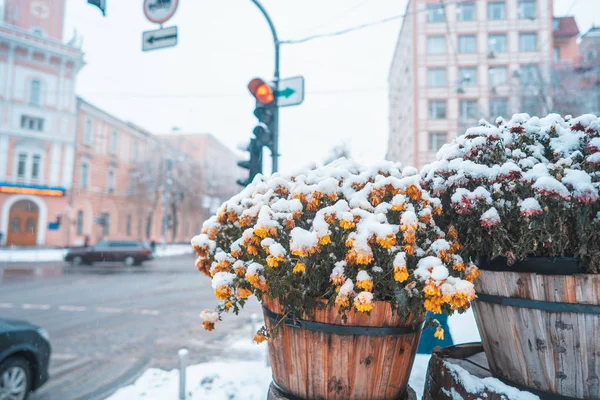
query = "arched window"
{"x": 35, "y": 93}
{"x": 80, "y": 222}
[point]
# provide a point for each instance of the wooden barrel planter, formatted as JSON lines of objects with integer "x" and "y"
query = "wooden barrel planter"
{"x": 365, "y": 357}
{"x": 541, "y": 328}
{"x": 463, "y": 372}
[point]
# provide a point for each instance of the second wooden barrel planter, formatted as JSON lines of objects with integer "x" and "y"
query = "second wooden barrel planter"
{"x": 366, "y": 357}
{"x": 541, "y": 329}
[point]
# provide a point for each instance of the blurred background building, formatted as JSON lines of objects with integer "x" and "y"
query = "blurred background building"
{"x": 69, "y": 170}
{"x": 458, "y": 62}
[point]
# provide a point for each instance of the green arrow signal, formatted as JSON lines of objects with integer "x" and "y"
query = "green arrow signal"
{"x": 287, "y": 92}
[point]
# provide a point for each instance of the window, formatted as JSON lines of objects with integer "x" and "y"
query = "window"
{"x": 35, "y": 166}
{"x": 437, "y": 109}
{"x": 21, "y": 165}
{"x": 113, "y": 142}
{"x": 128, "y": 227}
{"x": 87, "y": 132}
{"x": 436, "y": 77}
{"x": 80, "y": 222}
{"x": 527, "y": 9}
{"x": 32, "y": 123}
{"x": 555, "y": 24}
{"x": 84, "y": 175}
{"x": 465, "y": 12}
{"x": 556, "y": 54}
{"x": 529, "y": 74}
{"x": 35, "y": 93}
{"x": 496, "y": 10}
{"x": 30, "y": 225}
{"x": 15, "y": 225}
{"x": 435, "y": 13}
{"x": 531, "y": 105}
{"x": 467, "y": 44}
{"x": 436, "y": 141}
{"x": 134, "y": 151}
{"x": 467, "y": 76}
{"x": 498, "y": 76}
{"x": 436, "y": 45}
{"x": 111, "y": 181}
{"x": 499, "y": 107}
{"x": 497, "y": 43}
{"x": 528, "y": 42}
{"x": 105, "y": 223}
{"x": 468, "y": 110}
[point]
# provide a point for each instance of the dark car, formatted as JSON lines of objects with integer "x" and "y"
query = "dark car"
{"x": 131, "y": 252}
{"x": 24, "y": 358}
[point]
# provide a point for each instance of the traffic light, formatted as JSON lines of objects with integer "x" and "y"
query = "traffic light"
{"x": 101, "y": 4}
{"x": 254, "y": 165}
{"x": 265, "y": 111}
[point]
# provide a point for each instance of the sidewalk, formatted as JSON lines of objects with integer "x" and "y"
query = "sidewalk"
{"x": 28, "y": 255}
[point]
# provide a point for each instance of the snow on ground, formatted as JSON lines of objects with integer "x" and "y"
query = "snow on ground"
{"x": 20, "y": 254}
{"x": 249, "y": 380}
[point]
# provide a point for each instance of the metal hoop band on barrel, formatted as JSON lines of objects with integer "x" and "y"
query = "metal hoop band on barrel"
{"x": 539, "y": 304}
{"x": 534, "y": 265}
{"x": 341, "y": 329}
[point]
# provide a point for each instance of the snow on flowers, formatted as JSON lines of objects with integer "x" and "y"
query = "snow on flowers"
{"x": 341, "y": 233}
{"x": 523, "y": 187}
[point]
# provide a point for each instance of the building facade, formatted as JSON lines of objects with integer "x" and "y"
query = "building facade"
{"x": 69, "y": 171}
{"x": 458, "y": 62}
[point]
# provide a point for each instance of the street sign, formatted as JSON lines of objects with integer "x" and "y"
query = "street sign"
{"x": 290, "y": 91}
{"x": 159, "y": 38}
{"x": 160, "y": 11}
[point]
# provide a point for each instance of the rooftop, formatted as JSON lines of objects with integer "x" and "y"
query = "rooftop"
{"x": 566, "y": 27}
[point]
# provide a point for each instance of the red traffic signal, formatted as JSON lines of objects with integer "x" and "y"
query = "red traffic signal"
{"x": 261, "y": 91}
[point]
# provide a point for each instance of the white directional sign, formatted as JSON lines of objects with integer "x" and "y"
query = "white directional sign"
{"x": 159, "y": 38}
{"x": 290, "y": 91}
{"x": 160, "y": 11}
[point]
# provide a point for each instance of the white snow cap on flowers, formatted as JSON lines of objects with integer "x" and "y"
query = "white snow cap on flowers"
{"x": 302, "y": 239}
{"x": 202, "y": 240}
{"x": 338, "y": 269}
{"x": 222, "y": 279}
{"x": 491, "y": 216}
{"x": 363, "y": 276}
{"x": 426, "y": 267}
{"x": 209, "y": 316}
{"x": 254, "y": 269}
{"x": 400, "y": 259}
{"x": 347, "y": 289}
{"x": 530, "y": 206}
{"x": 549, "y": 185}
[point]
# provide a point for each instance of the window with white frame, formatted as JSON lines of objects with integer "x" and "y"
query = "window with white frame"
{"x": 437, "y": 109}
{"x": 499, "y": 107}
{"x": 28, "y": 164}
{"x": 32, "y": 123}
{"x": 111, "y": 181}
{"x": 113, "y": 142}
{"x": 436, "y": 77}
{"x": 436, "y": 45}
{"x": 36, "y": 161}
{"x": 468, "y": 110}
{"x": 528, "y": 41}
{"x": 465, "y": 11}
{"x": 527, "y": 9}
{"x": 467, "y": 44}
{"x": 80, "y": 222}
{"x": 435, "y": 13}
{"x": 21, "y": 165}
{"x": 530, "y": 74}
{"x": 87, "y": 132}
{"x": 437, "y": 140}
{"x": 84, "y": 172}
{"x": 35, "y": 93}
{"x": 497, "y": 42}
{"x": 467, "y": 76}
{"x": 498, "y": 76}
{"x": 496, "y": 10}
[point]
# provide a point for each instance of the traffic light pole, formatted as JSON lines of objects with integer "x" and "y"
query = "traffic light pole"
{"x": 275, "y": 131}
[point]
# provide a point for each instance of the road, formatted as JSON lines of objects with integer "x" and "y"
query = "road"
{"x": 109, "y": 323}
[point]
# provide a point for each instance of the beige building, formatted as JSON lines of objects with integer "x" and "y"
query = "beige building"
{"x": 458, "y": 62}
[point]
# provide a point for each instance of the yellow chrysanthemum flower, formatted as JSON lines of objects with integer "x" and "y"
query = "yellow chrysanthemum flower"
{"x": 223, "y": 292}
{"x": 366, "y": 285}
{"x": 346, "y": 224}
{"x": 324, "y": 240}
{"x": 400, "y": 274}
{"x": 387, "y": 242}
{"x": 243, "y": 293}
{"x": 439, "y": 333}
{"x": 259, "y": 338}
{"x": 299, "y": 268}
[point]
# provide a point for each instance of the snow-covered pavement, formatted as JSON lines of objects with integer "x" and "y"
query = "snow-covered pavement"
{"x": 47, "y": 255}
{"x": 248, "y": 379}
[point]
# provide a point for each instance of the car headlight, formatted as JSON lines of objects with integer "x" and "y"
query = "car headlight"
{"x": 44, "y": 333}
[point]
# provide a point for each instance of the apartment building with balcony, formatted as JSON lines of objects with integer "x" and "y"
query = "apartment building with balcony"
{"x": 458, "y": 62}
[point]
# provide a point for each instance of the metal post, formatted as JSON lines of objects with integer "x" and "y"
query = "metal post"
{"x": 167, "y": 200}
{"x": 183, "y": 360}
{"x": 275, "y": 148}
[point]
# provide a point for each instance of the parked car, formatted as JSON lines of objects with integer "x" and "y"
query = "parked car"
{"x": 131, "y": 252}
{"x": 24, "y": 358}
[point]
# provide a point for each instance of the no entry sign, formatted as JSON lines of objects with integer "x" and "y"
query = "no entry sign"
{"x": 159, "y": 11}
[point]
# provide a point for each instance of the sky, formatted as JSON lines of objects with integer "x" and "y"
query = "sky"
{"x": 200, "y": 86}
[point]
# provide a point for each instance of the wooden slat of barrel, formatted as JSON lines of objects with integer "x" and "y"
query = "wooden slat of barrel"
{"x": 442, "y": 382}
{"x": 275, "y": 394}
{"x": 313, "y": 364}
{"x": 556, "y": 352}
